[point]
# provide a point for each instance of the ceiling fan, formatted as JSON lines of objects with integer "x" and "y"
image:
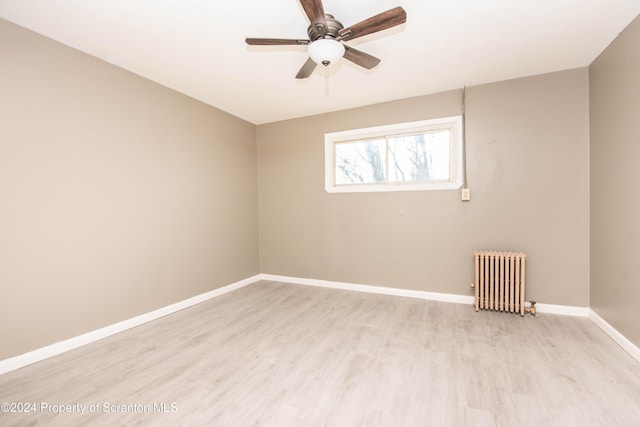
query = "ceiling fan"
{"x": 327, "y": 34}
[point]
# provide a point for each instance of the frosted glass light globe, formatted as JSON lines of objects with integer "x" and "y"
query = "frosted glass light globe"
{"x": 326, "y": 51}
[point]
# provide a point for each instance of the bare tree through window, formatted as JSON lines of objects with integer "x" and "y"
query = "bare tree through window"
{"x": 361, "y": 162}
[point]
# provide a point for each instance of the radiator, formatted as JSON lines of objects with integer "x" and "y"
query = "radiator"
{"x": 499, "y": 282}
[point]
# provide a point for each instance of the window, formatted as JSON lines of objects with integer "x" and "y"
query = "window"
{"x": 425, "y": 155}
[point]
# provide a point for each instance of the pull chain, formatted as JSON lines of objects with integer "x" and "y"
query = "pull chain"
{"x": 326, "y": 81}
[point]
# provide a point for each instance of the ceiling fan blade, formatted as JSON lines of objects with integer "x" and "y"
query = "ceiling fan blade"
{"x": 315, "y": 13}
{"x": 274, "y": 42}
{"x": 379, "y": 22}
{"x": 306, "y": 69}
{"x": 360, "y": 58}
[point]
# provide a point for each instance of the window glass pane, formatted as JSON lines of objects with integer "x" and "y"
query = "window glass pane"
{"x": 414, "y": 156}
{"x": 420, "y": 157}
{"x": 361, "y": 162}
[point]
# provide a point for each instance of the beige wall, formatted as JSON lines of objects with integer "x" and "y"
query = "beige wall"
{"x": 117, "y": 196}
{"x": 528, "y": 147}
{"x": 615, "y": 177}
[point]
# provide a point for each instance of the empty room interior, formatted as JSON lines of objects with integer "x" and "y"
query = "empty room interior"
{"x": 192, "y": 234}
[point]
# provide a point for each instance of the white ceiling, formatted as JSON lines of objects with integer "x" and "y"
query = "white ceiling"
{"x": 197, "y": 46}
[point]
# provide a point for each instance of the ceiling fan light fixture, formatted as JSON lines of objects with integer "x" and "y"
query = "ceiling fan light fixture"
{"x": 326, "y": 51}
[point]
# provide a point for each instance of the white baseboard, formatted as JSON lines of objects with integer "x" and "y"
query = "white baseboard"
{"x": 433, "y": 296}
{"x": 620, "y": 339}
{"x": 42, "y": 353}
{"x": 564, "y": 310}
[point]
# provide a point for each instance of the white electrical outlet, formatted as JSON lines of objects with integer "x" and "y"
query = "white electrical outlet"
{"x": 466, "y": 195}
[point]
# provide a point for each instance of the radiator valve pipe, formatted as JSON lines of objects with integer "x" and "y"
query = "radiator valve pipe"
{"x": 531, "y": 309}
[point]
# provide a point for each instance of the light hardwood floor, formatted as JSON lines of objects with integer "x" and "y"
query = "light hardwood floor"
{"x": 288, "y": 355}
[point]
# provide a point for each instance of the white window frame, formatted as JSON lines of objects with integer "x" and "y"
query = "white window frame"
{"x": 453, "y": 123}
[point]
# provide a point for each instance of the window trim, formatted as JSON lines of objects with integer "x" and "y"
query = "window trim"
{"x": 456, "y": 155}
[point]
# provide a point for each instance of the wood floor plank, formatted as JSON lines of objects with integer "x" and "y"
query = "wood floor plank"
{"x": 275, "y": 354}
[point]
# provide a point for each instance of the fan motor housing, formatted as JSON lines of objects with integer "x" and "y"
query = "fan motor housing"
{"x": 334, "y": 26}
